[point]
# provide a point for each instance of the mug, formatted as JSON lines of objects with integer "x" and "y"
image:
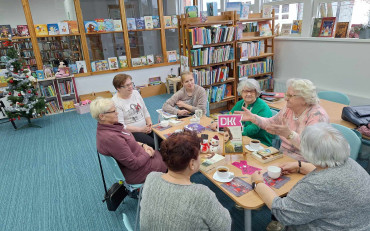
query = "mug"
{"x": 274, "y": 172}
{"x": 199, "y": 113}
{"x": 255, "y": 144}
{"x": 223, "y": 172}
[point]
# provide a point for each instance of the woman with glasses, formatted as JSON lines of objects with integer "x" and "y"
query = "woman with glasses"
{"x": 302, "y": 109}
{"x": 250, "y": 91}
{"x": 132, "y": 112}
{"x": 135, "y": 159}
{"x": 188, "y": 99}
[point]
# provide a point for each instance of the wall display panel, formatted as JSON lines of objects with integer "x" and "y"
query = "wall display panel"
{"x": 50, "y": 12}
{"x": 145, "y": 45}
{"x": 172, "y": 40}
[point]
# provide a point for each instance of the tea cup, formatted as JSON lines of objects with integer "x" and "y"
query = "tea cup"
{"x": 223, "y": 172}
{"x": 255, "y": 144}
{"x": 274, "y": 172}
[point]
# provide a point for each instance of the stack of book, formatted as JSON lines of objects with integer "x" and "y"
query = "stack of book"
{"x": 47, "y": 91}
{"x": 51, "y": 107}
{"x": 212, "y": 163}
{"x": 267, "y": 155}
{"x": 250, "y": 49}
{"x": 256, "y": 68}
{"x": 218, "y": 93}
{"x": 208, "y": 77}
{"x": 66, "y": 87}
{"x": 211, "y": 55}
{"x": 202, "y": 35}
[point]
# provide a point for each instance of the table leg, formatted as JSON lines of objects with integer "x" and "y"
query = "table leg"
{"x": 174, "y": 87}
{"x": 168, "y": 86}
{"x": 156, "y": 145}
{"x": 247, "y": 220}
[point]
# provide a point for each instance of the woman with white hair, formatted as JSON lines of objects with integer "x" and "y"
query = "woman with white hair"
{"x": 135, "y": 159}
{"x": 250, "y": 91}
{"x": 334, "y": 194}
{"x": 302, "y": 109}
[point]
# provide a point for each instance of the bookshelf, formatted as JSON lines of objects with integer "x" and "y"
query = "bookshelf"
{"x": 47, "y": 89}
{"x": 24, "y": 47}
{"x": 254, "y": 56}
{"x": 210, "y": 48}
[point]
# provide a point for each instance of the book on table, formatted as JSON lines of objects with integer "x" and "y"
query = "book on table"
{"x": 267, "y": 155}
{"x": 209, "y": 164}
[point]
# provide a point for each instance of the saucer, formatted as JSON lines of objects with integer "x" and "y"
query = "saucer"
{"x": 223, "y": 180}
{"x": 253, "y": 150}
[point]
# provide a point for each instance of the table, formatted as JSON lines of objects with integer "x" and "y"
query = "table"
{"x": 250, "y": 200}
{"x": 333, "y": 109}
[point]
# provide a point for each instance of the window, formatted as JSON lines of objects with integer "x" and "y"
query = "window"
{"x": 286, "y": 13}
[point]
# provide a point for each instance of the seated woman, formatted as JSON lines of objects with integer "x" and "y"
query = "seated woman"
{"x": 250, "y": 90}
{"x": 135, "y": 159}
{"x": 302, "y": 109}
{"x": 171, "y": 202}
{"x": 132, "y": 112}
{"x": 188, "y": 99}
{"x": 334, "y": 194}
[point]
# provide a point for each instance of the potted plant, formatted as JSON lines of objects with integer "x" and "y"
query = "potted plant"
{"x": 365, "y": 30}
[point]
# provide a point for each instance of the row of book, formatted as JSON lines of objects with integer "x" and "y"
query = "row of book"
{"x": 255, "y": 68}
{"x": 65, "y": 27}
{"x": 218, "y": 93}
{"x": 150, "y": 22}
{"x": 103, "y": 25}
{"x": 263, "y": 27}
{"x": 211, "y": 55}
{"x": 265, "y": 82}
{"x": 51, "y": 107}
{"x": 251, "y": 49}
{"x": 47, "y": 91}
{"x": 208, "y": 77}
{"x": 66, "y": 87}
{"x": 58, "y": 45}
{"x": 202, "y": 35}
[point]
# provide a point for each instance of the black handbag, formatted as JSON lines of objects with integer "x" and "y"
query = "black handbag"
{"x": 359, "y": 115}
{"x": 115, "y": 194}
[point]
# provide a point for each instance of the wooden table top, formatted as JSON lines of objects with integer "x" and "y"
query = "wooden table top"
{"x": 249, "y": 200}
{"x": 333, "y": 109}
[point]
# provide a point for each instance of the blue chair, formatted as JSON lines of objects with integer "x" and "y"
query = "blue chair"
{"x": 334, "y": 96}
{"x": 274, "y": 112}
{"x": 207, "y": 110}
{"x": 133, "y": 188}
{"x": 352, "y": 138}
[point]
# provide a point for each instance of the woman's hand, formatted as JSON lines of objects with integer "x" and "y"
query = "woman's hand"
{"x": 280, "y": 130}
{"x": 149, "y": 150}
{"x": 246, "y": 114}
{"x": 213, "y": 126}
{"x": 148, "y": 128}
{"x": 181, "y": 104}
{"x": 289, "y": 167}
{"x": 182, "y": 112}
{"x": 257, "y": 176}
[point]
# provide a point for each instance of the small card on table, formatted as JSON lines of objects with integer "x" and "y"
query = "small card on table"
{"x": 237, "y": 186}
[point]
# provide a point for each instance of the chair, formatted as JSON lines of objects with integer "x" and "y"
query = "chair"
{"x": 334, "y": 96}
{"x": 207, "y": 110}
{"x": 274, "y": 112}
{"x": 352, "y": 138}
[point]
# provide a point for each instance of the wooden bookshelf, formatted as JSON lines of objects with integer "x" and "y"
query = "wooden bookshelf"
{"x": 104, "y": 32}
{"x": 56, "y": 35}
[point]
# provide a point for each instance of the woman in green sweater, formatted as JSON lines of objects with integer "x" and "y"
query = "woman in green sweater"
{"x": 250, "y": 90}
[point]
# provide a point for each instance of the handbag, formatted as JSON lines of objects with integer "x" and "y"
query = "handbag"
{"x": 358, "y": 115}
{"x": 115, "y": 194}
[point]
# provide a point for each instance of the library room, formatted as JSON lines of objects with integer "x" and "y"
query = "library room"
{"x": 185, "y": 115}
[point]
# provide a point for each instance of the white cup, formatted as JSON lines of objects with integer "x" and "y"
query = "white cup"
{"x": 165, "y": 123}
{"x": 199, "y": 113}
{"x": 255, "y": 144}
{"x": 274, "y": 172}
{"x": 223, "y": 172}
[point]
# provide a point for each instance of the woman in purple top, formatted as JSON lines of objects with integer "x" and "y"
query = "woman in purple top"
{"x": 135, "y": 159}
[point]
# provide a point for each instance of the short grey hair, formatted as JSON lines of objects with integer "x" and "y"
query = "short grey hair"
{"x": 324, "y": 146}
{"x": 251, "y": 84}
{"x": 304, "y": 88}
{"x": 99, "y": 106}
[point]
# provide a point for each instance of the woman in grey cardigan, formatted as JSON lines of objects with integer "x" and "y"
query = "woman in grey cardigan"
{"x": 188, "y": 99}
{"x": 170, "y": 201}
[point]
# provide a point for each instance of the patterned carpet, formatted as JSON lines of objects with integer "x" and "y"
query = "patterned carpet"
{"x": 50, "y": 178}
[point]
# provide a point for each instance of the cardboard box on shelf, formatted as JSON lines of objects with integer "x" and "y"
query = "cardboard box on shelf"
{"x": 94, "y": 95}
{"x": 149, "y": 91}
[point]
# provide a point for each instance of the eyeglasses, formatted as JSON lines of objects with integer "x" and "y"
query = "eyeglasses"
{"x": 247, "y": 91}
{"x": 288, "y": 96}
{"x": 109, "y": 112}
{"x": 127, "y": 85}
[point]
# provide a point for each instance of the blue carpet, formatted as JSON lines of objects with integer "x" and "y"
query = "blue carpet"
{"x": 50, "y": 178}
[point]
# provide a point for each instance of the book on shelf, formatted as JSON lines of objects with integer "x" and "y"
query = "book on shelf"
{"x": 91, "y": 26}
{"x": 150, "y": 59}
{"x": 40, "y": 74}
{"x": 266, "y": 11}
{"x": 53, "y": 29}
{"x": 108, "y": 24}
{"x": 136, "y": 62}
{"x": 174, "y": 20}
{"x": 122, "y": 61}
{"x": 355, "y": 31}
{"x": 213, "y": 75}
{"x": 156, "y": 21}
{"x": 167, "y": 21}
{"x": 140, "y": 23}
{"x": 212, "y": 9}
{"x": 73, "y": 68}
{"x": 72, "y": 26}
{"x": 210, "y": 55}
{"x": 100, "y": 24}
{"x": 23, "y": 30}
{"x": 131, "y": 24}
{"x": 255, "y": 68}
{"x": 233, "y": 6}
{"x": 93, "y": 66}
{"x": 191, "y": 11}
{"x": 265, "y": 29}
{"x": 41, "y": 29}
{"x": 286, "y": 29}
{"x": 341, "y": 29}
{"x": 63, "y": 28}
{"x": 158, "y": 59}
{"x": 215, "y": 34}
{"x": 296, "y": 27}
{"x": 113, "y": 63}
{"x": 327, "y": 27}
{"x": 250, "y": 49}
{"x": 48, "y": 71}
{"x": 316, "y": 27}
{"x": 148, "y": 22}
{"x": 104, "y": 65}
{"x": 184, "y": 63}
{"x": 172, "y": 56}
{"x": 244, "y": 10}
{"x": 5, "y": 31}
{"x": 81, "y": 66}
{"x": 117, "y": 24}
{"x": 218, "y": 93}
{"x": 144, "y": 60}
{"x": 68, "y": 105}
{"x": 209, "y": 164}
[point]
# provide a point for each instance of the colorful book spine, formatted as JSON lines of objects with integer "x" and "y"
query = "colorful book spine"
{"x": 202, "y": 35}
{"x": 209, "y": 55}
{"x": 256, "y": 68}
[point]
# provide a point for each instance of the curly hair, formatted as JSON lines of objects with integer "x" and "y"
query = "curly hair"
{"x": 304, "y": 88}
{"x": 179, "y": 149}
